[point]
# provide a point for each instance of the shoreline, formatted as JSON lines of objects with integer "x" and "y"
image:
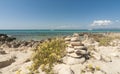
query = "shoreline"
{"x": 16, "y": 55}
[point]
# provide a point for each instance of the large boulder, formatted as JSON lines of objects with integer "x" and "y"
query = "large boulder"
{"x": 5, "y": 37}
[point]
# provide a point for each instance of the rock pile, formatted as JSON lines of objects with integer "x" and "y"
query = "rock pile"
{"x": 76, "y": 51}
{"x": 11, "y": 42}
{"x": 4, "y": 37}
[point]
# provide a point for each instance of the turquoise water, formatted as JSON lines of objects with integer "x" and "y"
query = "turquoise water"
{"x": 44, "y": 34}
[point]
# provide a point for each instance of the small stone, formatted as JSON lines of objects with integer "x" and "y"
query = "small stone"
{"x": 70, "y": 50}
{"x": 74, "y": 39}
{"x": 95, "y": 55}
{"x": 79, "y": 47}
{"x": 74, "y": 55}
{"x": 106, "y": 58}
{"x": 80, "y": 52}
{"x": 72, "y": 61}
{"x": 75, "y": 43}
{"x": 67, "y": 39}
{"x": 2, "y": 52}
{"x": 69, "y": 45}
{"x": 75, "y": 35}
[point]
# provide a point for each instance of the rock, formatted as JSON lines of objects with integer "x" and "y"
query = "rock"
{"x": 62, "y": 69}
{"x": 74, "y": 55}
{"x": 82, "y": 49}
{"x": 79, "y": 47}
{"x": 2, "y": 52}
{"x": 9, "y": 39}
{"x": 95, "y": 55}
{"x": 6, "y": 60}
{"x": 67, "y": 39}
{"x": 70, "y": 46}
{"x": 72, "y": 61}
{"x": 75, "y": 43}
{"x": 70, "y": 50}
{"x": 73, "y": 39}
{"x": 106, "y": 58}
{"x": 75, "y": 35}
{"x": 4, "y": 46}
{"x": 4, "y": 37}
{"x": 80, "y": 52}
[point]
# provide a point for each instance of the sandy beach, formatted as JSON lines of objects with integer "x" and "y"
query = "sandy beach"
{"x": 84, "y": 56}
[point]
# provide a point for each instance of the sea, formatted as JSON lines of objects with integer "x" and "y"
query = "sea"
{"x": 46, "y": 33}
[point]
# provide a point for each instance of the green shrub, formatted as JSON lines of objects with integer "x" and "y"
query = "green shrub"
{"x": 47, "y": 54}
{"x": 105, "y": 41}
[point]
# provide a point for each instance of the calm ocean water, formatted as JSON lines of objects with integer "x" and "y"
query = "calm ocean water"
{"x": 44, "y": 34}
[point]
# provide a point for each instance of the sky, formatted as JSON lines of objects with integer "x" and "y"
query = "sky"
{"x": 59, "y": 14}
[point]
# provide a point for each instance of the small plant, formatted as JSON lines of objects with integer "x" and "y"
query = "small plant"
{"x": 47, "y": 54}
{"x": 97, "y": 67}
{"x": 18, "y": 71}
{"x": 91, "y": 67}
{"x": 104, "y": 41}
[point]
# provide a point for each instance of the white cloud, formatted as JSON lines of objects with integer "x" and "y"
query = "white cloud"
{"x": 101, "y": 22}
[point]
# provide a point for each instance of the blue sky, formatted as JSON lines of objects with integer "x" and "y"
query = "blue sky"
{"x": 59, "y": 14}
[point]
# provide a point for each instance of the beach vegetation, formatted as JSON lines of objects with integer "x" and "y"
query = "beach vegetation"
{"x": 47, "y": 54}
{"x": 105, "y": 41}
{"x": 18, "y": 71}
